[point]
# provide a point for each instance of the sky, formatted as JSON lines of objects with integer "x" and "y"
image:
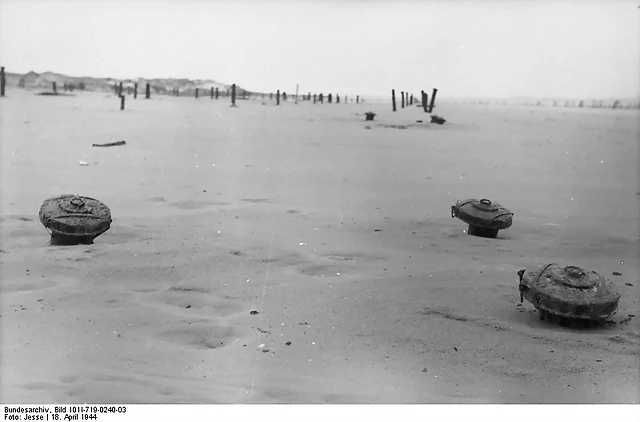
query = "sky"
{"x": 481, "y": 48}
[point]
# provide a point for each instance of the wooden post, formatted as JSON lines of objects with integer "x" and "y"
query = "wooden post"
{"x": 309, "y": 97}
{"x": 278, "y": 97}
{"x": 233, "y": 95}
{"x": 197, "y": 92}
{"x": 393, "y": 99}
{"x": 296, "y": 94}
{"x": 55, "y": 89}
{"x": 212, "y": 93}
{"x": 402, "y": 92}
{"x": 217, "y": 93}
{"x": 321, "y": 98}
{"x": 314, "y": 98}
{"x": 122, "y": 102}
{"x": 148, "y": 91}
{"x": 433, "y": 100}
{"x": 337, "y": 98}
{"x": 2, "y": 81}
{"x": 120, "y": 88}
{"x": 135, "y": 90}
{"x": 425, "y": 102}
{"x": 411, "y": 101}
{"x": 357, "y": 99}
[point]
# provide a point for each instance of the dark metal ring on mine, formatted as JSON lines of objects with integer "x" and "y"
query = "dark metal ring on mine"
{"x": 454, "y": 214}
{"x": 573, "y": 271}
{"x": 485, "y": 202}
{"x": 78, "y": 202}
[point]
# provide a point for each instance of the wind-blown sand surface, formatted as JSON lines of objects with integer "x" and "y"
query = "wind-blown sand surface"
{"x": 340, "y": 237}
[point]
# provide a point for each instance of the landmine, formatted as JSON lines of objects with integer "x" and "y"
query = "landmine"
{"x": 74, "y": 219}
{"x": 485, "y": 218}
{"x": 565, "y": 294}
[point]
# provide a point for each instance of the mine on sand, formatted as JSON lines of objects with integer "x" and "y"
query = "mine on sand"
{"x": 341, "y": 238}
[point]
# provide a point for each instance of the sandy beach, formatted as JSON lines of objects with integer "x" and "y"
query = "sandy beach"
{"x": 338, "y": 235}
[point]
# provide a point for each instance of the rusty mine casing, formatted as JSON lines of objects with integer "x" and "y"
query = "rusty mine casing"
{"x": 484, "y": 217}
{"x": 570, "y": 292}
{"x": 74, "y": 219}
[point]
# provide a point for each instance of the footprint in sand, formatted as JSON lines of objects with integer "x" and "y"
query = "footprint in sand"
{"x": 257, "y": 200}
{"x": 167, "y": 391}
{"x": 100, "y": 377}
{"x": 192, "y": 301}
{"x": 355, "y": 257}
{"x": 288, "y": 260}
{"x": 194, "y": 205}
{"x": 68, "y": 379}
{"x": 32, "y": 283}
{"x": 322, "y": 270}
{"x": 203, "y": 337}
{"x": 341, "y": 264}
{"x": 42, "y": 385}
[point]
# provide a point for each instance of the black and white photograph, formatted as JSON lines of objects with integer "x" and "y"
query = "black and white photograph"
{"x": 319, "y": 202}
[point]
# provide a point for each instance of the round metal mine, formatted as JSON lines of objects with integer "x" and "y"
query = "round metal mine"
{"x": 569, "y": 292}
{"x": 484, "y": 217}
{"x": 74, "y": 219}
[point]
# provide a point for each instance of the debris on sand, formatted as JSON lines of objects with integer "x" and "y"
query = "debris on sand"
{"x": 111, "y": 144}
{"x": 367, "y": 127}
{"x": 253, "y": 313}
{"x": 83, "y": 163}
{"x": 616, "y": 273}
{"x": 369, "y": 115}
{"x": 437, "y": 119}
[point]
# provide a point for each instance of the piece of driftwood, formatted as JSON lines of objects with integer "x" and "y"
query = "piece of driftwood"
{"x": 111, "y": 144}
